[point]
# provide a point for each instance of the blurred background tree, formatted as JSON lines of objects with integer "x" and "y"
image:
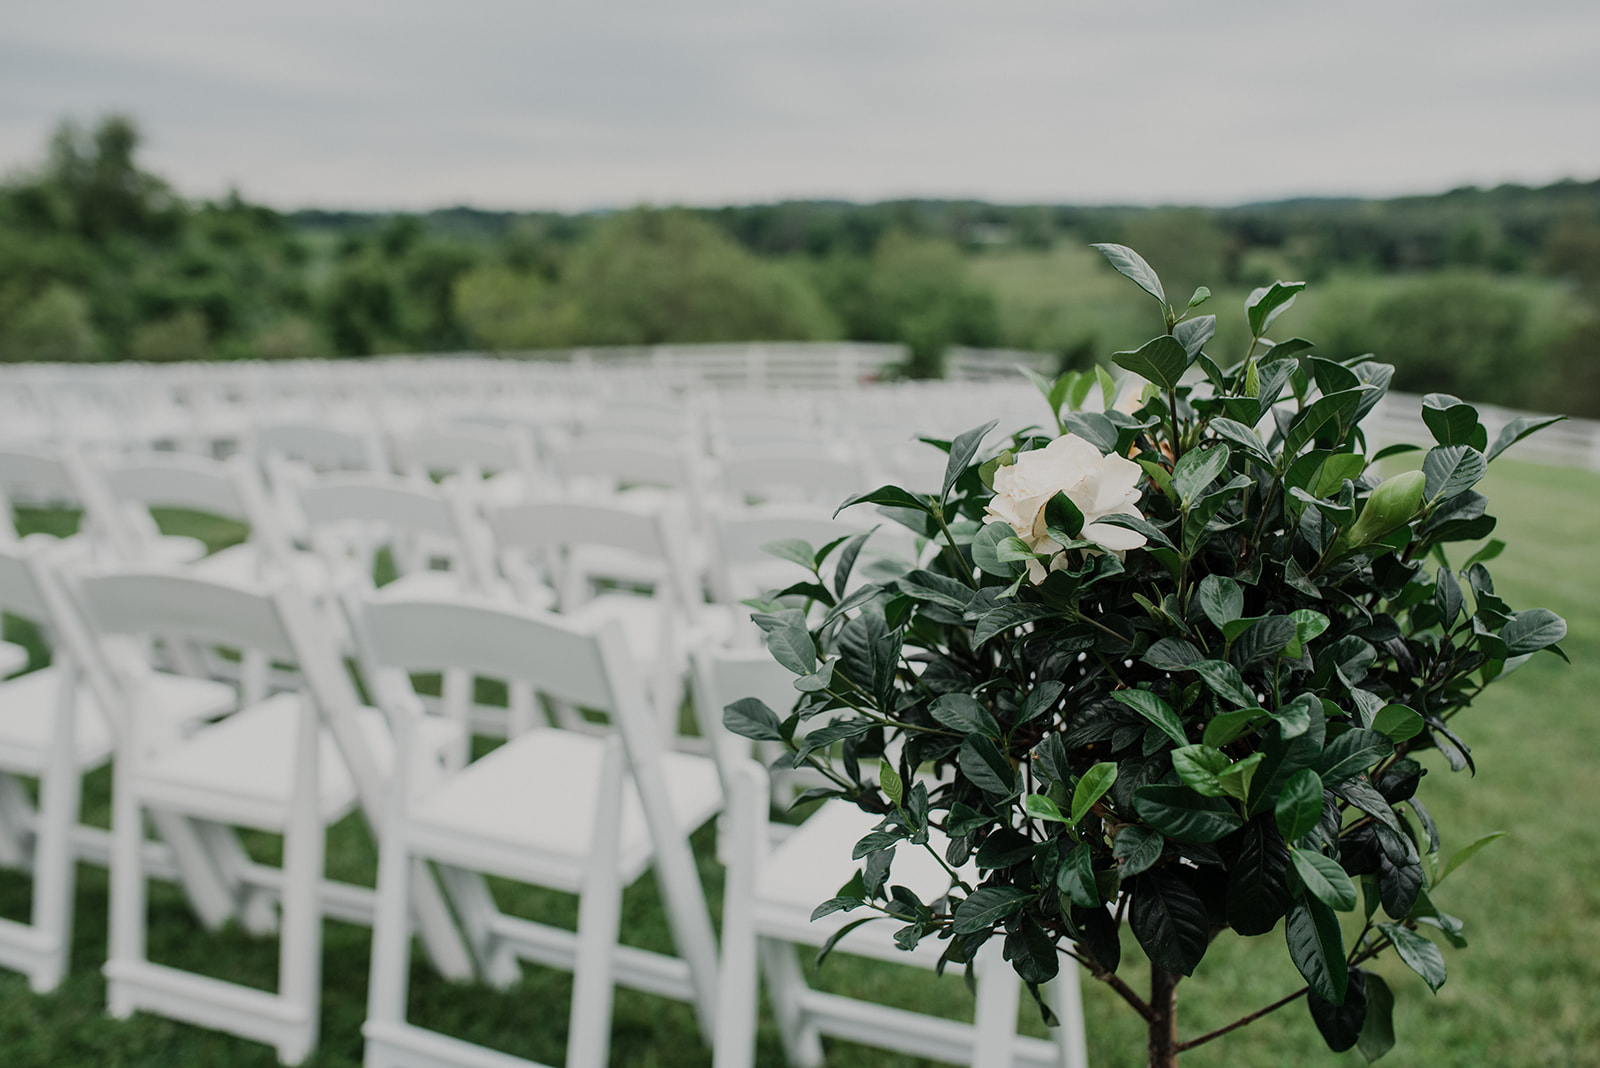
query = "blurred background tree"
{"x": 1491, "y": 294}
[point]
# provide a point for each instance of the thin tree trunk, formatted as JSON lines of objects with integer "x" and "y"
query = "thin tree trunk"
{"x": 1164, "y": 1020}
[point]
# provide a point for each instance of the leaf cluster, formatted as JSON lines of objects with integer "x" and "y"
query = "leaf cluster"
{"x": 1223, "y": 730}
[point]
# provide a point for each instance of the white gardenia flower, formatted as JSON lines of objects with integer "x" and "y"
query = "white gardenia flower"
{"x": 1098, "y": 485}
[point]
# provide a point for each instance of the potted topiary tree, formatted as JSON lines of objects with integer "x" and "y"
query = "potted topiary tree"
{"x": 1175, "y": 664}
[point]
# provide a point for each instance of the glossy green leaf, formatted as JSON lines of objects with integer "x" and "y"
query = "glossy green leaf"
{"x": 1451, "y": 469}
{"x": 1299, "y": 805}
{"x": 890, "y": 496}
{"x": 1323, "y": 877}
{"x": 1041, "y": 807}
{"x": 1169, "y": 919}
{"x": 1335, "y": 409}
{"x": 749, "y": 717}
{"x": 1156, "y": 711}
{"x": 1236, "y": 778}
{"x": 1316, "y": 946}
{"x": 1198, "y": 767}
{"x": 1226, "y": 726}
{"x": 792, "y": 549}
{"x": 1179, "y": 812}
{"x": 1531, "y": 630}
{"x": 1398, "y": 722}
{"x": 1419, "y": 954}
{"x": 1377, "y": 1031}
{"x": 1242, "y": 437}
{"x": 1075, "y": 878}
{"x": 1091, "y": 788}
{"x": 963, "y": 714}
{"x": 1063, "y": 521}
{"x": 890, "y": 783}
{"x": 1226, "y": 682}
{"x": 1193, "y": 334}
{"x": 985, "y": 766}
{"x": 1466, "y": 853}
{"x": 987, "y": 906}
{"x": 1450, "y": 420}
{"x": 1340, "y": 1025}
{"x": 1353, "y": 752}
{"x": 962, "y": 450}
{"x": 1161, "y": 360}
{"x": 1268, "y": 302}
{"x": 1132, "y": 265}
{"x": 1518, "y": 429}
{"x": 1198, "y": 469}
{"x": 833, "y": 939}
{"x": 1136, "y": 848}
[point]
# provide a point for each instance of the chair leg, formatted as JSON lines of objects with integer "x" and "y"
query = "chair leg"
{"x": 738, "y": 980}
{"x": 1067, "y": 999}
{"x": 127, "y": 936}
{"x": 786, "y": 985}
{"x": 15, "y": 819}
{"x": 437, "y": 928}
{"x": 599, "y": 919}
{"x": 995, "y": 1017}
{"x": 391, "y": 935}
{"x": 300, "y": 945}
{"x": 475, "y": 905}
{"x": 203, "y": 883}
{"x": 256, "y": 907}
{"x": 54, "y": 866}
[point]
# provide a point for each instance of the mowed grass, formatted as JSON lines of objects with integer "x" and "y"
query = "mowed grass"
{"x": 1527, "y": 991}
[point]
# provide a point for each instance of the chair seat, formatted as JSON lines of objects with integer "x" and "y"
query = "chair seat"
{"x": 617, "y": 565}
{"x": 644, "y": 623}
{"x": 429, "y": 583}
{"x": 810, "y": 865}
{"x": 170, "y": 705}
{"x": 241, "y": 770}
{"x": 13, "y": 658}
{"x": 533, "y": 799}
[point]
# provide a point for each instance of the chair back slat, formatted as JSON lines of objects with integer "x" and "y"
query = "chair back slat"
{"x": 169, "y": 604}
{"x": 175, "y": 480}
{"x": 552, "y": 655}
{"x": 405, "y": 507}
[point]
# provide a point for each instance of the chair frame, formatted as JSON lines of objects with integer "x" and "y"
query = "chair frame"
{"x": 391, "y": 638}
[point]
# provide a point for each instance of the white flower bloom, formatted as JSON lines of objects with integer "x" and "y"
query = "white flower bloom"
{"x": 1098, "y": 485}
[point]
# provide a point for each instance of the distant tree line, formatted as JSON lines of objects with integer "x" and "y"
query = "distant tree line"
{"x": 1493, "y": 293}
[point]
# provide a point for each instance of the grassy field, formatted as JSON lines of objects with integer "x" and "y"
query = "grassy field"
{"x": 1527, "y": 992}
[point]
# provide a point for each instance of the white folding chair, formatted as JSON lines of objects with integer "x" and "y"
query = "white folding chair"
{"x": 270, "y": 766}
{"x": 575, "y": 812}
{"x": 496, "y": 464}
{"x": 224, "y": 489}
{"x": 55, "y": 727}
{"x": 789, "y": 473}
{"x": 44, "y": 478}
{"x": 774, "y": 882}
{"x": 625, "y": 545}
{"x": 351, "y": 517}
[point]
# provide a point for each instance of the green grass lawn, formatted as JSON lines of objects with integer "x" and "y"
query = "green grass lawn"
{"x": 1527, "y": 992}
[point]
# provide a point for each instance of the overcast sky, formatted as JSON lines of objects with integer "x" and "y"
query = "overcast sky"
{"x": 547, "y": 104}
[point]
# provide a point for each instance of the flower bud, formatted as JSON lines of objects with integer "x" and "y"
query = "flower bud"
{"x": 1391, "y": 505}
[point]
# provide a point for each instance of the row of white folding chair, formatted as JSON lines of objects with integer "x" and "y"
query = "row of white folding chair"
{"x": 775, "y": 882}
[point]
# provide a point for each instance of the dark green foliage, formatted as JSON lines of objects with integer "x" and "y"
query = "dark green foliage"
{"x": 1258, "y": 675}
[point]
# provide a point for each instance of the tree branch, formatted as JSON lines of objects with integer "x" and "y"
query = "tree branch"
{"x": 1219, "y": 1032}
{"x": 1276, "y": 1005}
{"x": 1138, "y": 1003}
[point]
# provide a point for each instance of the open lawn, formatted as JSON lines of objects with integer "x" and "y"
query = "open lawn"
{"x": 1527, "y": 992}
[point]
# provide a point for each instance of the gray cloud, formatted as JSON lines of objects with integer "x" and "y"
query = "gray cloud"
{"x": 569, "y": 104}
